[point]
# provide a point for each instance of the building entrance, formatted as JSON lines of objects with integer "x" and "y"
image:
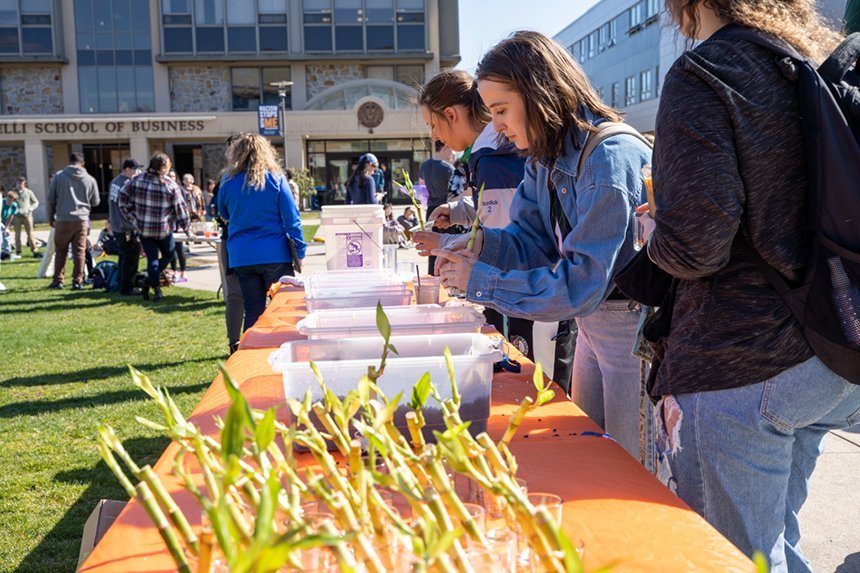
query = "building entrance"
{"x": 104, "y": 162}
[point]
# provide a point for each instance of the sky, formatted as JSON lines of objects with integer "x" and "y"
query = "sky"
{"x": 483, "y": 23}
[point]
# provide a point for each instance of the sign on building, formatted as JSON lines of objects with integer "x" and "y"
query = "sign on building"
{"x": 269, "y": 118}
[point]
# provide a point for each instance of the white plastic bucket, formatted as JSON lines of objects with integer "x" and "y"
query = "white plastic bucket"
{"x": 353, "y": 236}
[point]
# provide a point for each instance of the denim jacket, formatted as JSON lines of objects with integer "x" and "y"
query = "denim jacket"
{"x": 523, "y": 271}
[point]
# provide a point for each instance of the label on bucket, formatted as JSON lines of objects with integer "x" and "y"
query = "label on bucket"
{"x": 353, "y": 245}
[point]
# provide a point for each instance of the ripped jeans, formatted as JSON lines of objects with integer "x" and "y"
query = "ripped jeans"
{"x": 742, "y": 457}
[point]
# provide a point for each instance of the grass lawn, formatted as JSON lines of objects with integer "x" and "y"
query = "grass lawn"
{"x": 63, "y": 372}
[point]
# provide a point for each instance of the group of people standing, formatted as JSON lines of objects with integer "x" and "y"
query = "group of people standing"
{"x": 17, "y": 213}
{"x": 740, "y": 402}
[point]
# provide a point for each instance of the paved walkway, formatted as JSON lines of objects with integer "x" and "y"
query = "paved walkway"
{"x": 831, "y": 536}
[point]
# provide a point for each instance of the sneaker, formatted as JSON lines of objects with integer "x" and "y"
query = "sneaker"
{"x": 37, "y": 255}
{"x": 56, "y": 285}
{"x": 77, "y": 286}
{"x": 88, "y": 281}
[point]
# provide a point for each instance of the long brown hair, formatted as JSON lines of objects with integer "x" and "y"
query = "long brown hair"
{"x": 793, "y": 21}
{"x": 450, "y": 88}
{"x": 253, "y": 154}
{"x": 553, "y": 87}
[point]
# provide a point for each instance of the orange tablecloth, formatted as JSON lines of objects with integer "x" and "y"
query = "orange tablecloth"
{"x": 621, "y": 514}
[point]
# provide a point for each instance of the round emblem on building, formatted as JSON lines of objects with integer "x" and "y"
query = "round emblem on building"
{"x": 370, "y": 114}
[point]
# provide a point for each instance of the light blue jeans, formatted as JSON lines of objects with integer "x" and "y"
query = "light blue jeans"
{"x": 606, "y": 375}
{"x": 742, "y": 457}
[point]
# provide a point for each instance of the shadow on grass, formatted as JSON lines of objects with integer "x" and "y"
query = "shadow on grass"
{"x": 58, "y": 550}
{"x": 98, "y": 373}
{"x": 35, "y": 408}
{"x": 92, "y": 299}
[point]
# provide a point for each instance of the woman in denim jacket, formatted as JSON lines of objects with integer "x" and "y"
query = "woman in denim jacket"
{"x": 570, "y": 232}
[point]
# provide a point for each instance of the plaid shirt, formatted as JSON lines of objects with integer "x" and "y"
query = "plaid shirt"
{"x": 154, "y": 205}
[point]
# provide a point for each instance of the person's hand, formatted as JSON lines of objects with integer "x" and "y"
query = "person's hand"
{"x": 644, "y": 224}
{"x": 454, "y": 267}
{"x": 441, "y": 216}
{"x": 426, "y": 241}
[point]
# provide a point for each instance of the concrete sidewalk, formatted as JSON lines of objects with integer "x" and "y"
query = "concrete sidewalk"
{"x": 831, "y": 536}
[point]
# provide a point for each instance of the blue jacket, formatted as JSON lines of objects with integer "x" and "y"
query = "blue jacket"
{"x": 259, "y": 221}
{"x": 355, "y": 195}
{"x": 525, "y": 270}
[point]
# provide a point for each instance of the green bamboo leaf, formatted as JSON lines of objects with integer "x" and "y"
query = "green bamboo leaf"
{"x": 150, "y": 424}
{"x": 420, "y": 392}
{"x": 265, "y": 433}
{"x": 236, "y": 395}
{"x": 232, "y": 436}
{"x": 544, "y": 396}
{"x": 572, "y": 563}
{"x": 449, "y": 364}
{"x": 382, "y": 323}
{"x": 364, "y": 389}
{"x": 445, "y": 541}
{"x": 142, "y": 381}
{"x": 392, "y": 349}
{"x": 538, "y": 377}
{"x": 760, "y": 561}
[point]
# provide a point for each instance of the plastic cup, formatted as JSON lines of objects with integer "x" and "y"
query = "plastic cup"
{"x": 427, "y": 290}
{"x": 553, "y": 503}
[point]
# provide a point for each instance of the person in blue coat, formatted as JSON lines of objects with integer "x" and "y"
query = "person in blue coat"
{"x": 570, "y": 232}
{"x": 264, "y": 228}
{"x": 361, "y": 187}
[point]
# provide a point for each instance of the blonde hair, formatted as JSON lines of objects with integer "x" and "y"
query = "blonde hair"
{"x": 252, "y": 154}
{"x": 793, "y": 21}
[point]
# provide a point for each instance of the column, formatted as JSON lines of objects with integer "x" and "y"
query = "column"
{"x": 139, "y": 149}
{"x": 295, "y": 150}
{"x": 37, "y": 176}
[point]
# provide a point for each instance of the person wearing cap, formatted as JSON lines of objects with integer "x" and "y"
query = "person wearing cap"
{"x": 361, "y": 188}
{"x": 124, "y": 232}
{"x": 378, "y": 175}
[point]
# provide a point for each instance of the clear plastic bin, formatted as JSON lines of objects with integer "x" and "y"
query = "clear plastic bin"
{"x": 337, "y": 281}
{"x": 397, "y": 295}
{"x": 404, "y": 320}
{"x": 342, "y": 363}
{"x": 353, "y": 236}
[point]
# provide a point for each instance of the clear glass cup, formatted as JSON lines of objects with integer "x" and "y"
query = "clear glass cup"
{"x": 503, "y": 543}
{"x": 482, "y": 560}
{"x": 552, "y": 502}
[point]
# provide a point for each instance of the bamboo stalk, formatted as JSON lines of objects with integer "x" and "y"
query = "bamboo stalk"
{"x": 518, "y": 418}
{"x": 166, "y": 501}
{"x": 144, "y": 496}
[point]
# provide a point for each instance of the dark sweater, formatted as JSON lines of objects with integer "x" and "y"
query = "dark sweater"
{"x": 728, "y": 161}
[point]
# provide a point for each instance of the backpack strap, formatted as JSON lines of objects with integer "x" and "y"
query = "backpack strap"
{"x": 842, "y": 60}
{"x": 605, "y": 130}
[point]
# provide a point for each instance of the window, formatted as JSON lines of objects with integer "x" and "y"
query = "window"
{"x": 114, "y": 57}
{"x": 613, "y": 31}
{"x": 26, "y": 30}
{"x": 635, "y": 14}
{"x": 409, "y": 74}
{"x": 645, "y": 85}
{"x": 614, "y": 101}
{"x": 630, "y": 91}
{"x": 251, "y": 87}
{"x": 363, "y": 25}
{"x": 651, "y": 9}
{"x": 224, "y": 26}
{"x": 410, "y": 25}
{"x": 603, "y": 37}
{"x": 379, "y": 16}
{"x": 592, "y": 44}
{"x": 583, "y": 49}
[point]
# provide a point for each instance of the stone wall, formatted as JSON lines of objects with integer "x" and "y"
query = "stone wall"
{"x": 213, "y": 160}
{"x": 320, "y": 77}
{"x": 31, "y": 90}
{"x": 199, "y": 88}
{"x": 12, "y": 164}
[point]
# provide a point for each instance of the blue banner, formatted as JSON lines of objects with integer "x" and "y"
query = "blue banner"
{"x": 269, "y": 119}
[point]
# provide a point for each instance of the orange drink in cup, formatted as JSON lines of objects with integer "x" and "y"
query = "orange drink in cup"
{"x": 649, "y": 189}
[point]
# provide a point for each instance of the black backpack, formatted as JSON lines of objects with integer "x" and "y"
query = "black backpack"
{"x": 106, "y": 276}
{"x": 827, "y": 301}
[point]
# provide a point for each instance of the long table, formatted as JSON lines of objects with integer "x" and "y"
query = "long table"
{"x": 615, "y": 509}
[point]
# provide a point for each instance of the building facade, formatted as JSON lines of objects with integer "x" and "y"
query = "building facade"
{"x": 124, "y": 78}
{"x": 627, "y": 46}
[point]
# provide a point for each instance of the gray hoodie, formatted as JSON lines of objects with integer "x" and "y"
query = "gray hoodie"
{"x": 72, "y": 194}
